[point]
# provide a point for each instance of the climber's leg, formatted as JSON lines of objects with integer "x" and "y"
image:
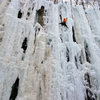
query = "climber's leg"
{"x": 66, "y": 25}
{"x": 62, "y": 23}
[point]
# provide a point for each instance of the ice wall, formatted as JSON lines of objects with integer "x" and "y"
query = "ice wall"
{"x": 42, "y": 60}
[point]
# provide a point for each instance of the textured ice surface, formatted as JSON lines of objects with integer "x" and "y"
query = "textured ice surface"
{"x": 51, "y": 61}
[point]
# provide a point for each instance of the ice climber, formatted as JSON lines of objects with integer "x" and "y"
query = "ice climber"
{"x": 64, "y": 22}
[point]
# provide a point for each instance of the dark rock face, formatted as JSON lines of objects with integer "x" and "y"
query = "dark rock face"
{"x": 40, "y": 14}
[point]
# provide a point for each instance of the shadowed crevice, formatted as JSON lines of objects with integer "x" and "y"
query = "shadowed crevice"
{"x": 74, "y": 39}
{"x": 24, "y": 45}
{"x": 19, "y": 14}
{"x": 14, "y": 91}
{"x": 67, "y": 54}
{"x": 87, "y": 52}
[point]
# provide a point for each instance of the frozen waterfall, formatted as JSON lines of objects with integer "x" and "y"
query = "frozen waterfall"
{"x": 42, "y": 60}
